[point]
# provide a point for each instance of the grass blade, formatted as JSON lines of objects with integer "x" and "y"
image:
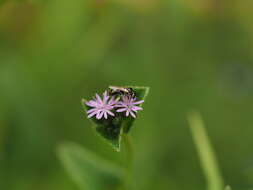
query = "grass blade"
{"x": 205, "y": 151}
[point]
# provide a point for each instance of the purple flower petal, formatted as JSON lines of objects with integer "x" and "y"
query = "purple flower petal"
{"x": 122, "y": 109}
{"x": 119, "y": 104}
{"x": 105, "y": 115}
{"x": 99, "y": 115}
{"x": 105, "y": 98}
{"x": 110, "y": 113}
{"x": 125, "y": 99}
{"x": 91, "y": 103}
{"x": 99, "y": 100}
{"x": 138, "y": 102}
{"x": 132, "y": 114}
{"x": 112, "y": 101}
{"x": 91, "y": 110}
{"x": 92, "y": 114}
{"x": 136, "y": 108}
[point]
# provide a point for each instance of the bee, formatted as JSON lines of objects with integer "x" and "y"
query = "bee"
{"x": 119, "y": 91}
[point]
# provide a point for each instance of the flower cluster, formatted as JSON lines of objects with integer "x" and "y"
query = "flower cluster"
{"x": 109, "y": 105}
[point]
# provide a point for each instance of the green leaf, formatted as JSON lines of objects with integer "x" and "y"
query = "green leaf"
{"x": 205, "y": 152}
{"x": 111, "y": 130}
{"x": 89, "y": 171}
{"x": 227, "y": 187}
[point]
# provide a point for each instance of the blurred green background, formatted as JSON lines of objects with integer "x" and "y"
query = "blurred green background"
{"x": 194, "y": 54}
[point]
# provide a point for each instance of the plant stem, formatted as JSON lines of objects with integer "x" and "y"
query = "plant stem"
{"x": 128, "y": 146}
{"x": 128, "y": 150}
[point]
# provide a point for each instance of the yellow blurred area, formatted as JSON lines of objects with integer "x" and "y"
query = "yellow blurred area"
{"x": 142, "y": 6}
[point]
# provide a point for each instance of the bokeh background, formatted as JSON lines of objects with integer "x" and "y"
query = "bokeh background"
{"x": 194, "y": 54}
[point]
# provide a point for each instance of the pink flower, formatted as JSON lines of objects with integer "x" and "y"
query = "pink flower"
{"x": 101, "y": 107}
{"x": 129, "y": 105}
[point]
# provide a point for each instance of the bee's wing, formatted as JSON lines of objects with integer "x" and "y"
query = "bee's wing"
{"x": 113, "y": 87}
{"x": 117, "y": 88}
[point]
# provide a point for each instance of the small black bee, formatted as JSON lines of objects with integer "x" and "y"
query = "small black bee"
{"x": 119, "y": 91}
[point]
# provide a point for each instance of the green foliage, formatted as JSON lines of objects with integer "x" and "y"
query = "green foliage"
{"x": 227, "y": 187}
{"x": 89, "y": 171}
{"x": 112, "y": 129}
{"x": 205, "y": 152}
{"x": 192, "y": 53}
